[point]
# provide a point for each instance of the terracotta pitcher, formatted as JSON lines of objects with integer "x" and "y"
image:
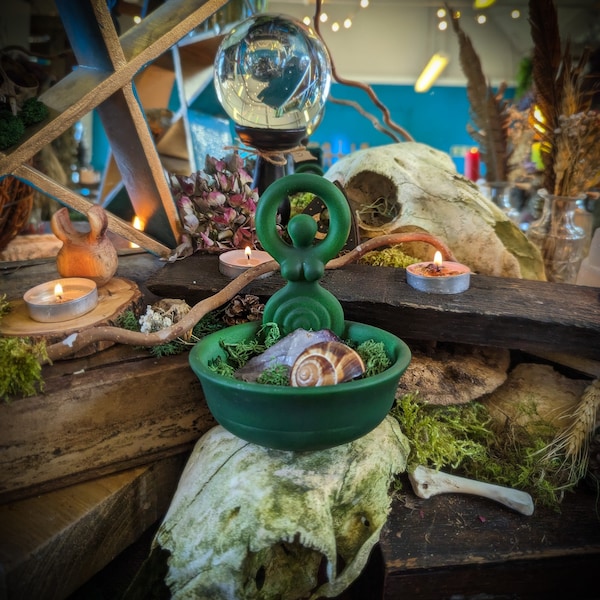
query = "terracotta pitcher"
{"x": 85, "y": 254}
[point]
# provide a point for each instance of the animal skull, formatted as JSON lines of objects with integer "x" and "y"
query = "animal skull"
{"x": 250, "y": 522}
{"x": 412, "y": 187}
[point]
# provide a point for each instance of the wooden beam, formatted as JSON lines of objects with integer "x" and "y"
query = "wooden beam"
{"x": 509, "y": 313}
{"x": 98, "y": 415}
{"x": 51, "y": 544}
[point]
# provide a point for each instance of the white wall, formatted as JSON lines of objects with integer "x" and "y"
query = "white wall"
{"x": 391, "y": 41}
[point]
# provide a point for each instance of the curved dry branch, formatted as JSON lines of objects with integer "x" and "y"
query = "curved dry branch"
{"x": 367, "y": 88}
{"x": 78, "y": 341}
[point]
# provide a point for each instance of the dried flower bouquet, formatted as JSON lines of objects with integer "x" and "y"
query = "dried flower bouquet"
{"x": 217, "y": 207}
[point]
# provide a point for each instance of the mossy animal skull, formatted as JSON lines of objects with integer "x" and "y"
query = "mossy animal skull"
{"x": 247, "y": 522}
{"x": 412, "y": 187}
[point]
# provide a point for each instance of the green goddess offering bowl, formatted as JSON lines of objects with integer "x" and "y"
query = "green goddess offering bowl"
{"x": 301, "y": 418}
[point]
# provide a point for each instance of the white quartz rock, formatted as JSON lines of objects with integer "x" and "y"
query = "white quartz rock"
{"x": 420, "y": 190}
{"x": 247, "y": 522}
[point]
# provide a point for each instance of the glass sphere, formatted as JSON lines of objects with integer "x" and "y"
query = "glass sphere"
{"x": 272, "y": 72}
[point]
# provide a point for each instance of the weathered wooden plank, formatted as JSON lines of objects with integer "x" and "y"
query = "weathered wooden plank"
{"x": 99, "y": 415}
{"x": 51, "y": 544}
{"x": 510, "y": 313}
{"x": 464, "y": 546}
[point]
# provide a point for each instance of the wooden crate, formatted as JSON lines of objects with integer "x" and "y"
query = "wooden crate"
{"x": 98, "y": 415}
{"x": 53, "y": 543}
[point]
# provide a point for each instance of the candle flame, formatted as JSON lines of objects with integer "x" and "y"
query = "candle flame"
{"x": 136, "y": 224}
{"x": 437, "y": 258}
{"x": 248, "y": 252}
{"x": 58, "y": 291}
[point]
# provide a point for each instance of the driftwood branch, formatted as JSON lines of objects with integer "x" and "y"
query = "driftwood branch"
{"x": 394, "y": 128}
{"x": 77, "y": 341}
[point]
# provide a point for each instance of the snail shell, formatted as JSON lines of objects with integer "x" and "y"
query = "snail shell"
{"x": 326, "y": 363}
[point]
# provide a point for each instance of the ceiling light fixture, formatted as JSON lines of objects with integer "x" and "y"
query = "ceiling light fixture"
{"x": 431, "y": 72}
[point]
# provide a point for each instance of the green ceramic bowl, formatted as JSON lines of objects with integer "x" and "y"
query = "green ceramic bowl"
{"x": 300, "y": 419}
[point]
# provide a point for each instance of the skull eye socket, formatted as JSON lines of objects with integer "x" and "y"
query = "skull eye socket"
{"x": 374, "y": 197}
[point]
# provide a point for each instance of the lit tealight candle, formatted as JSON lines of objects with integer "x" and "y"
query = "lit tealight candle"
{"x": 136, "y": 224}
{"x": 235, "y": 262}
{"x": 438, "y": 276}
{"x": 61, "y": 299}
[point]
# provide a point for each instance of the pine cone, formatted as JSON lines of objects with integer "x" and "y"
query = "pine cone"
{"x": 242, "y": 309}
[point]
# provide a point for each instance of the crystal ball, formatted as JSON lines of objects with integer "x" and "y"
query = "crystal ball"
{"x": 273, "y": 72}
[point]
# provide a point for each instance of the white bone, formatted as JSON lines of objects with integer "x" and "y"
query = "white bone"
{"x": 429, "y": 482}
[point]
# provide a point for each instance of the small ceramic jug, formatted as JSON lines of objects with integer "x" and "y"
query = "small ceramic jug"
{"x": 85, "y": 254}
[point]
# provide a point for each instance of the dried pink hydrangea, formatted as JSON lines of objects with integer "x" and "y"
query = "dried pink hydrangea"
{"x": 216, "y": 206}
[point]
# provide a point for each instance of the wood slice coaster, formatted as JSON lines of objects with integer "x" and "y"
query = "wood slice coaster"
{"x": 114, "y": 299}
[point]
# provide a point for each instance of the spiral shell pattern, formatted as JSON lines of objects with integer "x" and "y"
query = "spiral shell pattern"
{"x": 326, "y": 363}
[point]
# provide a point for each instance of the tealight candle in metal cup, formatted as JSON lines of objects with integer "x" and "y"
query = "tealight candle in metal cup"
{"x": 61, "y": 299}
{"x": 438, "y": 276}
{"x": 235, "y": 262}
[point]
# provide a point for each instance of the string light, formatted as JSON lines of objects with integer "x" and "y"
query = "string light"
{"x": 515, "y": 14}
{"x": 481, "y": 19}
{"x": 347, "y": 22}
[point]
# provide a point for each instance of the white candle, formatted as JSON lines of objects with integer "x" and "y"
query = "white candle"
{"x": 439, "y": 276}
{"x": 61, "y": 299}
{"x": 235, "y": 262}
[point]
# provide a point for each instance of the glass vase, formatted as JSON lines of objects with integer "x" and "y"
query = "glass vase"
{"x": 561, "y": 242}
{"x": 505, "y": 196}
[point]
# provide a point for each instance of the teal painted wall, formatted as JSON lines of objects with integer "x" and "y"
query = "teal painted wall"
{"x": 438, "y": 118}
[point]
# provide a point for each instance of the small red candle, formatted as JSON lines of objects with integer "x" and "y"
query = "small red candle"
{"x": 472, "y": 164}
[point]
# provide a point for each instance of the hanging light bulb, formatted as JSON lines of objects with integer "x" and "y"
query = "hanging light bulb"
{"x": 335, "y": 26}
{"x": 348, "y": 23}
{"x": 431, "y": 72}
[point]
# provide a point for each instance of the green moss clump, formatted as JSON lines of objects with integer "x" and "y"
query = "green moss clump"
{"x": 20, "y": 363}
{"x": 11, "y": 129}
{"x": 464, "y": 438}
{"x": 374, "y": 356}
{"x": 388, "y": 257}
{"x": 20, "y": 367}
{"x": 210, "y": 323}
{"x": 33, "y": 111}
{"x": 299, "y": 201}
{"x": 277, "y": 375}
